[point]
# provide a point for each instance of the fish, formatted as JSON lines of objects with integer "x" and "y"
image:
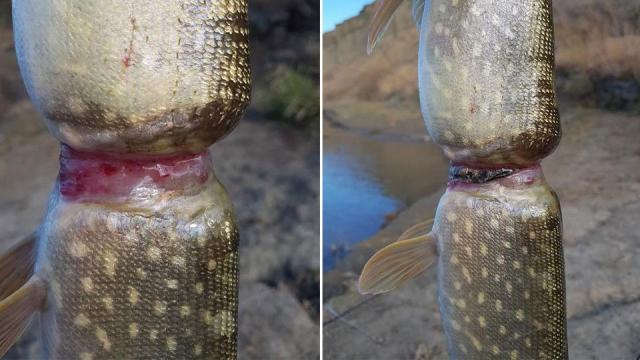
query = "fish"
{"x": 137, "y": 255}
{"x": 487, "y": 98}
{"x": 155, "y": 77}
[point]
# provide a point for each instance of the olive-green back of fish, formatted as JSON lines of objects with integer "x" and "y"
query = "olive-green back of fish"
{"x": 487, "y": 79}
{"x": 135, "y": 76}
{"x": 501, "y": 273}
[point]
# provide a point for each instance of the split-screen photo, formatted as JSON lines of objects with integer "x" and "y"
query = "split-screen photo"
{"x": 319, "y": 179}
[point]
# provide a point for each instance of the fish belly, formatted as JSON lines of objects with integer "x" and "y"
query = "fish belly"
{"x": 486, "y": 80}
{"x": 501, "y": 272}
{"x": 141, "y": 282}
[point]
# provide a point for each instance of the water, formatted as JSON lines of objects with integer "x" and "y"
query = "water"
{"x": 366, "y": 179}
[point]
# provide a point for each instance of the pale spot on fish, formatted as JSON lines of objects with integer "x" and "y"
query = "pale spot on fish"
{"x": 185, "y": 310}
{"x": 466, "y": 274}
{"x": 211, "y": 265}
{"x": 485, "y": 272}
{"x": 141, "y": 274}
{"x": 516, "y": 265}
{"x": 78, "y": 249}
{"x": 532, "y": 272}
{"x": 451, "y": 216}
{"x": 500, "y": 259}
{"x": 520, "y": 314}
{"x": 482, "y": 321}
{"x": 514, "y": 355}
{"x": 456, "y": 326}
{"x": 532, "y": 235}
{"x": 438, "y": 28}
{"x": 87, "y": 284}
{"x": 509, "y": 287}
{"x": 133, "y": 330}
{"x": 506, "y": 244}
{"x": 108, "y": 303}
{"x": 454, "y": 259}
{"x": 527, "y": 342}
{"x": 197, "y": 349}
{"x": 467, "y": 319}
{"x": 481, "y": 298}
{"x": 468, "y": 250}
{"x": 154, "y": 253}
{"x": 160, "y": 307}
{"x": 502, "y": 330}
{"x": 498, "y": 305}
{"x": 199, "y": 288}
{"x": 527, "y": 295}
{"x": 171, "y": 343}
{"x": 206, "y": 316}
{"x": 476, "y": 343}
{"x": 483, "y": 249}
{"x": 81, "y": 320}
{"x": 172, "y": 284}
{"x": 468, "y": 227}
{"x": 178, "y": 261}
{"x": 456, "y": 237}
{"x": 224, "y": 323}
{"x": 133, "y": 295}
{"x": 454, "y": 2}
{"x": 110, "y": 261}
{"x": 457, "y": 285}
{"x": 86, "y": 356}
{"x": 103, "y": 337}
{"x": 495, "y": 350}
{"x": 525, "y": 250}
{"x": 153, "y": 335}
{"x": 495, "y": 224}
{"x": 443, "y": 8}
{"x": 462, "y": 304}
{"x": 463, "y": 348}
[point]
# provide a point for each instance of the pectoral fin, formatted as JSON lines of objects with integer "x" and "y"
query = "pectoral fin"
{"x": 398, "y": 263}
{"x": 17, "y": 310}
{"x": 420, "y": 229}
{"x": 16, "y": 266}
{"x": 383, "y": 13}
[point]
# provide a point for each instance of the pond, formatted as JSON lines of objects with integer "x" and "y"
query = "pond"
{"x": 367, "y": 180}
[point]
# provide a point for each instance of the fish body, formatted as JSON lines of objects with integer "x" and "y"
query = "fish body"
{"x": 501, "y": 269}
{"x": 486, "y": 80}
{"x": 135, "y": 76}
{"x": 153, "y": 274}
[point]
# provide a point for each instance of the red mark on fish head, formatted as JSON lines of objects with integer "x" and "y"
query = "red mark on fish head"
{"x": 126, "y": 60}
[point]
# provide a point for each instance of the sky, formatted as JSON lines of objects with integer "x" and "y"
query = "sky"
{"x": 337, "y": 11}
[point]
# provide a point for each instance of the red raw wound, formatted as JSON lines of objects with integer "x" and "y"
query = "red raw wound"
{"x": 91, "y": 176}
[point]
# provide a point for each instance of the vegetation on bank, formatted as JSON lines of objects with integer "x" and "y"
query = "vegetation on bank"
{"x": 289, "y": 96}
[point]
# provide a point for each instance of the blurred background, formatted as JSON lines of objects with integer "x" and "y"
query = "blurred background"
{"x": 269, "y": 165}
{"x": 382, "y": 174}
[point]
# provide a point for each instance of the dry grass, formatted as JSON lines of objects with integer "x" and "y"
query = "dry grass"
{"x": 600, "y": 38}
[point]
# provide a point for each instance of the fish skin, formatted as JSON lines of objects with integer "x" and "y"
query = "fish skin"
{"x": 486, "y": 76}
{"x": 501, "y": 270}
{"x": 127, "y": 281}
{"x": 487, "y": 96}
{"x": 135, "y": 76}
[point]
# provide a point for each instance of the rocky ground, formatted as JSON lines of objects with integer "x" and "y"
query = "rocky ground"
{"x": 270, "y": 169}
{"x": 596, "y": 176}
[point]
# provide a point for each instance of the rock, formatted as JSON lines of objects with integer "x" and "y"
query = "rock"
{"x": 273, "y": 325}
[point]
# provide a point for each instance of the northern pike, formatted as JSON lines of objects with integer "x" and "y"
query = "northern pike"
{"x": 487, "y": 95}
{"x": 137, "y": 257}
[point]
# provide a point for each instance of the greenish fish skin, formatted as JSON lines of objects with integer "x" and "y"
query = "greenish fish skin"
{"x": 501, "y": 269}
{"x": 487, "y": 97}
{"x": 155, "y": 77}
{"x": 487, "y": 80}
{"x": 127, "y": 281}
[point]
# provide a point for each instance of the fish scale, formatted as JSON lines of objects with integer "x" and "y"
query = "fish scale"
{"x": 486, "y": 79}
{"x": 137, "y": 257}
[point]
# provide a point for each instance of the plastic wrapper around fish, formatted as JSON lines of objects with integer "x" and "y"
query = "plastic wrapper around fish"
{"x": 501, "y": 269}
{"x": 486, "y": 75}
{"x": 135, "y": 76}
{"x": 140, "y": 258}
